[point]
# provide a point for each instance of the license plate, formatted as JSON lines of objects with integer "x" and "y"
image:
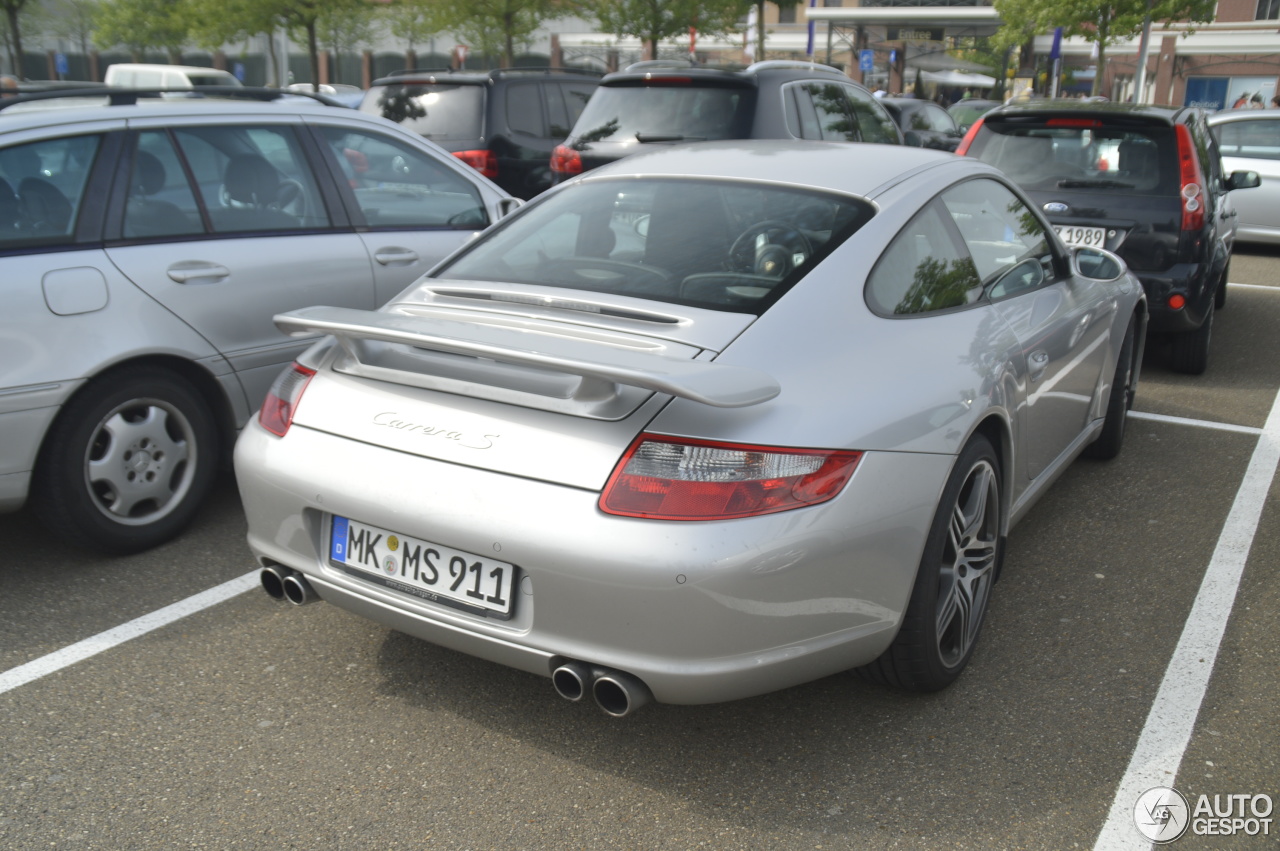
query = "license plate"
{"x": 1086, "y": 237}
{"x": 422, "y": 569}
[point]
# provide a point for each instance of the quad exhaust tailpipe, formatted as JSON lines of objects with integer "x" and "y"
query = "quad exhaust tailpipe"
{"x": 617, "y": 693}
{"x": 280, "y": 583}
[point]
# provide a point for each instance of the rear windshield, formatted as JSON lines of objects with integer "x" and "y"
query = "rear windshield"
{"x": 441, "y": 112}
{"x": 1122, "y": 160}
{"x": 672, "y": 112}
{"x": 723, "y": 245}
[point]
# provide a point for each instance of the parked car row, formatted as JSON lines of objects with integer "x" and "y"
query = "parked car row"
{"x": 618, "y": 436}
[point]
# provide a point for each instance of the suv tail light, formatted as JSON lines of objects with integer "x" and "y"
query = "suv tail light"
{"x": 968, "y": 138}
{"x": 282, "y": 399}
{"x": 483, "y": 161}
{"x": 1191, "y": 179}
{"x": 566, "y": 161}
{"x": 676, "y": 478}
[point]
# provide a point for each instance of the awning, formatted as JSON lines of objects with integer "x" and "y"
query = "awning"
{"x": 957, "y": 78}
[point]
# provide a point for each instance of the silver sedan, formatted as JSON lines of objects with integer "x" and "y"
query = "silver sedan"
{"x": 702, "y": 424}
{"x": 1249, "y": 140}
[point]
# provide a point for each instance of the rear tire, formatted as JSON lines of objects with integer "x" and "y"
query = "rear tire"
{"x": 953, "y": 583}
{"x": 127, "y": 462}
{"x": 1108, "y": 444}
{"x": 1191, "y": 348}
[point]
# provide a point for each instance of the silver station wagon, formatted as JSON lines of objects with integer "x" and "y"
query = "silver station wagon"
{"x": 145, "y": 245}
{"x": 701, "y": 424}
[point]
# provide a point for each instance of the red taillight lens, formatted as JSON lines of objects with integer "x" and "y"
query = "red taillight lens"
{"x": 675, "y": 478}
{"x": 282, "y": 399}
{"x": 566, "y": 161}
{"x": 485, "y": 162}
{"x": 1177, "y": 302}
{"x": 1192, "y": 181}
{"x": 968, "y": 138}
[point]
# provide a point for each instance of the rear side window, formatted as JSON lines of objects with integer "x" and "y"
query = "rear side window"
{"x": 667, "y": 112}
{"x": 160, "y": 201}
{"x": 1256, "y": 139}
{"x": 837, "y": 112}
{"x": 706, "y": 243}
{"x": 925, "y": 269}
{"x": 1099, "y": 159}
{"x": 441, "y": 112}
{"x": 397, "y": 186}
{"x": 524, "y": 109}
{"x": 42, "y": 189}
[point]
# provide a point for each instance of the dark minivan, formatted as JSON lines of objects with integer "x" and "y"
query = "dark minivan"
{"x": 661, "y": 103}
{"x": 505, "y": 123}
{"x": 1144, "y": 182}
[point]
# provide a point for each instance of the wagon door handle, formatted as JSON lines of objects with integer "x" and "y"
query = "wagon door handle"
{"x": 1039, "y": 362}
{"x": 395, "y": 256}
{"x": 197, "y": 271}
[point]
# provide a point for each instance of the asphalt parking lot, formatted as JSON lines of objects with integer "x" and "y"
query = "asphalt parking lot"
{"x": 249, "y": 724}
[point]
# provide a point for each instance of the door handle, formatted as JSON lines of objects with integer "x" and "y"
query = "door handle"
{"x": 395, "y": 256}
{"x": 196, "y": 271}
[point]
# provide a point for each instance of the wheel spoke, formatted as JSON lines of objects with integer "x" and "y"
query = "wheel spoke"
{"x": 134, "y": 459}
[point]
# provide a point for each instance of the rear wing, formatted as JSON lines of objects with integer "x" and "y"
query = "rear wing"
{"x": 718, "y": 385}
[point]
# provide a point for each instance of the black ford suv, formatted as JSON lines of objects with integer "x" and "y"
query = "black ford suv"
{"x": 661, "y": 103}
{"x": 1145, "y": 182}
{"x": 504, "y": 123}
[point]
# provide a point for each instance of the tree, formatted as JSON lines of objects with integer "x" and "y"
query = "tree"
{"x": 760, "y": 31}
{"x": 12, "y": 8}
{"x": 496, "y": 26}
{"x": 74, "y": 20}
{"x": 140, "y": 25}
{"x": 345, "y": 29}
{"x": 655, "y": 21}
{"x": 1103, "y": 24}
{"x": 416, "y": 21}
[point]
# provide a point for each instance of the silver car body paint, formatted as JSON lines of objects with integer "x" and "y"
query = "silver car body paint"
{"x": 711, "y": 610}
{"x": 62, "y": 330}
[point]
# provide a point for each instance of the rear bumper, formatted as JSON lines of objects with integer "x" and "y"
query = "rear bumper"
{"x": 1195, "y": 282}
{"x": 701, "y": 612}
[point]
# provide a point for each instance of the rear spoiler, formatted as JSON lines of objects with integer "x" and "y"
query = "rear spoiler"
{"x": 719, "y": 385}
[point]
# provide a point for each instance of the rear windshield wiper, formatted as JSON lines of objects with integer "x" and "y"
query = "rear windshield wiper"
{"x": 1093, "y": 184}
{"x": 659, "y": 137}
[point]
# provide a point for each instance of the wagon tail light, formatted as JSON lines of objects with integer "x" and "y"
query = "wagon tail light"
{"x": 1192, "y": 181}
{"x": 673, "y": 478}
{"x": 282, "y": 399}
{"x": 566, "y": 161}
{"x": 485, "y": 162}
{"x": 968, "y": 138}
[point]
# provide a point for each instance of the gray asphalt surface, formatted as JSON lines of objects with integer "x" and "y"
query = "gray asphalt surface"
{"x": 254, "y": 725}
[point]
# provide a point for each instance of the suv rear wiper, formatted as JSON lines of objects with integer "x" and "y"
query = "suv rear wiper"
{"x": 659, "y": 137}
{"x": 1098, "y": 184}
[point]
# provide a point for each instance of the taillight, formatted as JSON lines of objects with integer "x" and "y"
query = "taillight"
{"x": 1192, "y": 181}
{"x": 566, "y": 161}
{"x": 676, "y": 478}
{"x": 282, "y": 399}
{"x": 485, "y": 162}
{"x": 968, "y": 138}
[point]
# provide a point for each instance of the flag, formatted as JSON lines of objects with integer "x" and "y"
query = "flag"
{"x": 749, "y": 49}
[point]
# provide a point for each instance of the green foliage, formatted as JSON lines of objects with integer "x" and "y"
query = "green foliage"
{"x": 655, "y": 21}
{"x": 141, "y": 25}
{"x": 496, "y": 27}
{"x": 416, "y": 21}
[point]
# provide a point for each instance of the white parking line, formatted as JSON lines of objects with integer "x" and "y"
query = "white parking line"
{"x": 1163, "y": 418}
{"x": 1170, "y": 722}
{"x": 59, "y": 659}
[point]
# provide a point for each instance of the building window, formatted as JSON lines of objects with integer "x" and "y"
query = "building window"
{"x": 787, "y": 14}
{"x": 1268, "y": 10}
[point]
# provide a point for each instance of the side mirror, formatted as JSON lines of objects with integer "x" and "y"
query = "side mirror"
{"x": 507, "y": 206}
{"x": 1097, "y": 263}
{"x": 1243, "y": 180}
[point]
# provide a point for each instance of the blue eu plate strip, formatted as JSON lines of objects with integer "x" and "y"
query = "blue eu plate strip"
{"x": 338, "y": 544}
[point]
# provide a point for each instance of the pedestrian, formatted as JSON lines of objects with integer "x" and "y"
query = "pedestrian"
{"x": 1275, "y": 102}
{"x": 1255, "y": 102}
{"x": 8, "y": 86}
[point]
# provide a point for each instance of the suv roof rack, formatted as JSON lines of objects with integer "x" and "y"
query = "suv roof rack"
{"x": 494, "y": 74}
{"x": 793, "y": 64}
{"x": 116, "y": 96}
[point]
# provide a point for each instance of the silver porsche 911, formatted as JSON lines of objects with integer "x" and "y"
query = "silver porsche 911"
{"x": 702, "y": 424}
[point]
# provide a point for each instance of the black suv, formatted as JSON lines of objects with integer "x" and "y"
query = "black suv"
{"x": 1145, "y": 182}
{"x": 924, "y": 124}
{"x": 660, "y": 102}
{"x": 504, "y": 123}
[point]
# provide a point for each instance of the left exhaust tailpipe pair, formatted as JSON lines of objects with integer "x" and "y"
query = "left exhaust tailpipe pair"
{"x": 280, "y": 583}
{"x": 617, "y": 693}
